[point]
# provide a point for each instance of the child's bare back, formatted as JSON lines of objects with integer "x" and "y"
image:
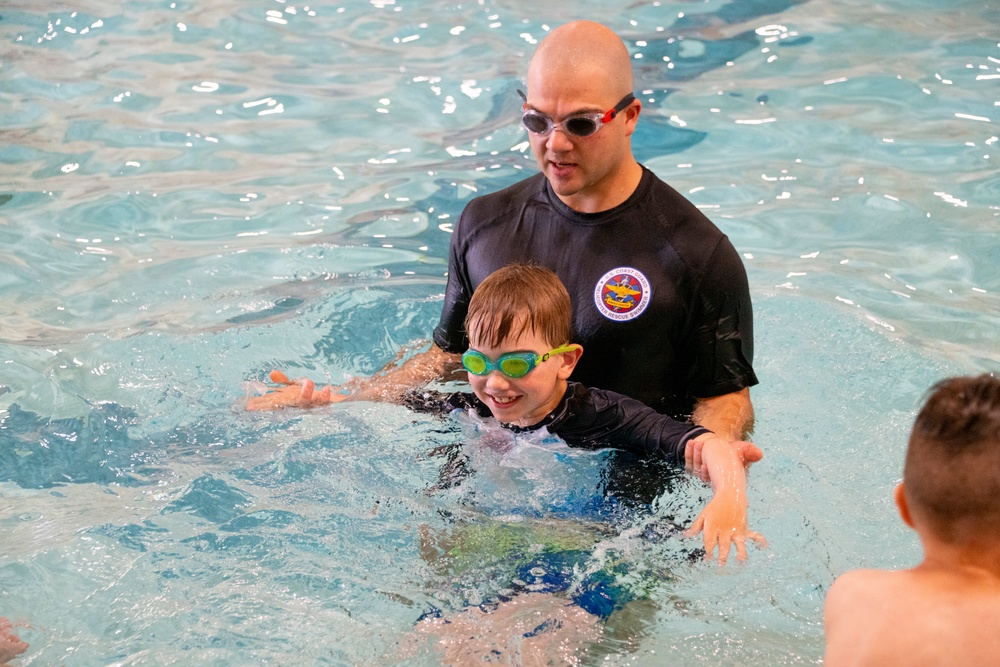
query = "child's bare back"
{"x": 945, "y": 611}
{"x": 924, "y": 616}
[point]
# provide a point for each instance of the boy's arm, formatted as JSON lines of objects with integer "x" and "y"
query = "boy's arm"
{"x": 723, "y": 522}
{"x": 848, "y": 625}
{"x": 838, "y": 602}
{"x": 390, "y": 384}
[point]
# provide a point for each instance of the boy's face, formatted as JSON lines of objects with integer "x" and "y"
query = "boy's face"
{"x": 525, "y": 400}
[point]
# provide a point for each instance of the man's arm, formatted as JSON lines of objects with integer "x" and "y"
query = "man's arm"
{"x": 729, "y": 416}
{"x": 389, "y": 384}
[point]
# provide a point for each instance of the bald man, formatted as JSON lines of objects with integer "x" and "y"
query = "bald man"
{"x": 660, "y": 296}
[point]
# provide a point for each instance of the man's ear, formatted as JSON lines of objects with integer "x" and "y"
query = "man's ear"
{"x": 632, "y": 117}
{"x": 568, "y": 360}
{"x": 904, "y": 508}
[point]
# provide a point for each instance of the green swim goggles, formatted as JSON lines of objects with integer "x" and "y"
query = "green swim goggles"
{"x": 513, "y": 364}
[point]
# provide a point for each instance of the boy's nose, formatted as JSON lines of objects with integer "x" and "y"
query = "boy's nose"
{"x": 497, "y": 381}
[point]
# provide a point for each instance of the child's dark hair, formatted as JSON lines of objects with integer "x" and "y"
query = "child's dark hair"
{"x": 952, "y": 470}
{"x": 520, "y": 298}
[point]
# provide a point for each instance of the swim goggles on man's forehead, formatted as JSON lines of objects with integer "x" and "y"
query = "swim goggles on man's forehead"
{"x": 513, "y": 364}
{"x": 578, "y": 125}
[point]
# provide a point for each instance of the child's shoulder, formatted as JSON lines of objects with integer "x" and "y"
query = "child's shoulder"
{"x": 897, "y": 591}
{"x": 864, "y": 583}
{"x": 912, "y": 617}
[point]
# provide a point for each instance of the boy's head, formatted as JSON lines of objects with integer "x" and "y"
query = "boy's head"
{"x": 951, "y": 478}
{"x": 516, "y": 299}
{"x": 519, "y": 325}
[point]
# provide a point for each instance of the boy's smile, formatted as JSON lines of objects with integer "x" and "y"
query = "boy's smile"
{"x": 528, "y": 399}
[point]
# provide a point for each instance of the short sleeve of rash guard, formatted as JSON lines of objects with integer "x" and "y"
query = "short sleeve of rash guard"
{"x": 722, "y": 341}
{"x": 449, "y": 334}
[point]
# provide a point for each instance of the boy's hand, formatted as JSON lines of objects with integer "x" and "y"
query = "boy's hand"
{"x": 723, "y": 523}
{"x": 300, "y": 393}
{"x": 747, "y": 452}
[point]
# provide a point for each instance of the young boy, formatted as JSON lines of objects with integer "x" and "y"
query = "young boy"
{"x": 519, "y": 362}
{"x": 945, "y": 611}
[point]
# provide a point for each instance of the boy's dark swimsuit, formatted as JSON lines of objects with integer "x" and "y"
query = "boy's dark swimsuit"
{"x": 588, "y": 418}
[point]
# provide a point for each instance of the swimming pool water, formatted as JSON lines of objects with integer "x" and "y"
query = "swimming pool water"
{"x": 192, "y": 193}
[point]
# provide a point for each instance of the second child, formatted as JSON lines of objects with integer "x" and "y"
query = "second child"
{"x": 946, "y": 610}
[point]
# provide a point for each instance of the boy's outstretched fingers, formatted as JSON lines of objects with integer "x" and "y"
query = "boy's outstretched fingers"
{"x": 293, "y": 394}
{"x": 723, "y": 540}
{"x": 740, "y": 540}
{"x": 277, "y": 377}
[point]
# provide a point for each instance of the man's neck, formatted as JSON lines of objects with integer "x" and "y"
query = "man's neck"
{"x": 618, "y": 188}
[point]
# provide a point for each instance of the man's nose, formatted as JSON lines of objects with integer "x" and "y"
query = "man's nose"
{"x": 559, "y": 140}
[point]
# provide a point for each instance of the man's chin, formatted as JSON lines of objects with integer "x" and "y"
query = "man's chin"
{"x": 564, "y": 179}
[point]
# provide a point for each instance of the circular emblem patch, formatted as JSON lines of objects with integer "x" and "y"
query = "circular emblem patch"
{"x": 622, "y": 294}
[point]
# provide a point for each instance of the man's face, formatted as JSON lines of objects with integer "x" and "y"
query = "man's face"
{"x": 583, "y": 171}
{"x": 525, "y": 400}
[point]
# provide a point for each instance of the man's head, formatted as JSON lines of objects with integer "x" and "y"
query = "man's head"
{"x": 520, "y": 309}
{"x": 951, "y": 479}
{"x": 584, "y": 67}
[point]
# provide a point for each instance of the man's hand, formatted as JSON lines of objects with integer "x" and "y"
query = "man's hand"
{"x": 747, "y": 452}
{"x": 300, "y": 393}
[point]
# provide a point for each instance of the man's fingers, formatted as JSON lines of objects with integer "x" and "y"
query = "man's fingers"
{"x": 689, "y": 455}
{"x": 692, "y": 454}
{"x": 752, "y": 453}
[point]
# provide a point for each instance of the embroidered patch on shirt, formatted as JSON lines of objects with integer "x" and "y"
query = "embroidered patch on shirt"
{"x": 622, "y": 294}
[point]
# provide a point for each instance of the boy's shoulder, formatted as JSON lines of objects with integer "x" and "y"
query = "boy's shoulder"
{"x": 913, "y": 617}
{"x": 871, "y": 591}
{"x": 853, "y": 593}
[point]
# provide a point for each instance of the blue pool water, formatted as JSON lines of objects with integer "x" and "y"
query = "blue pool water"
{"x": 192, "y": 193}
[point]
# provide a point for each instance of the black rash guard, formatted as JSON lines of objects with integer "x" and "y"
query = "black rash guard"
{"x": 660, "y": 297}
{"x": 590, "y": 419}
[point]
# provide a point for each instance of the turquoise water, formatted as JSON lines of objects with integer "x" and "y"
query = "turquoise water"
{"x": 192, "y": 193}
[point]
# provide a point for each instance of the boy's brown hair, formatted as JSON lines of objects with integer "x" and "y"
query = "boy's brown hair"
{"x": 520, "y": 298}
{"x": 952, "y": 472}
